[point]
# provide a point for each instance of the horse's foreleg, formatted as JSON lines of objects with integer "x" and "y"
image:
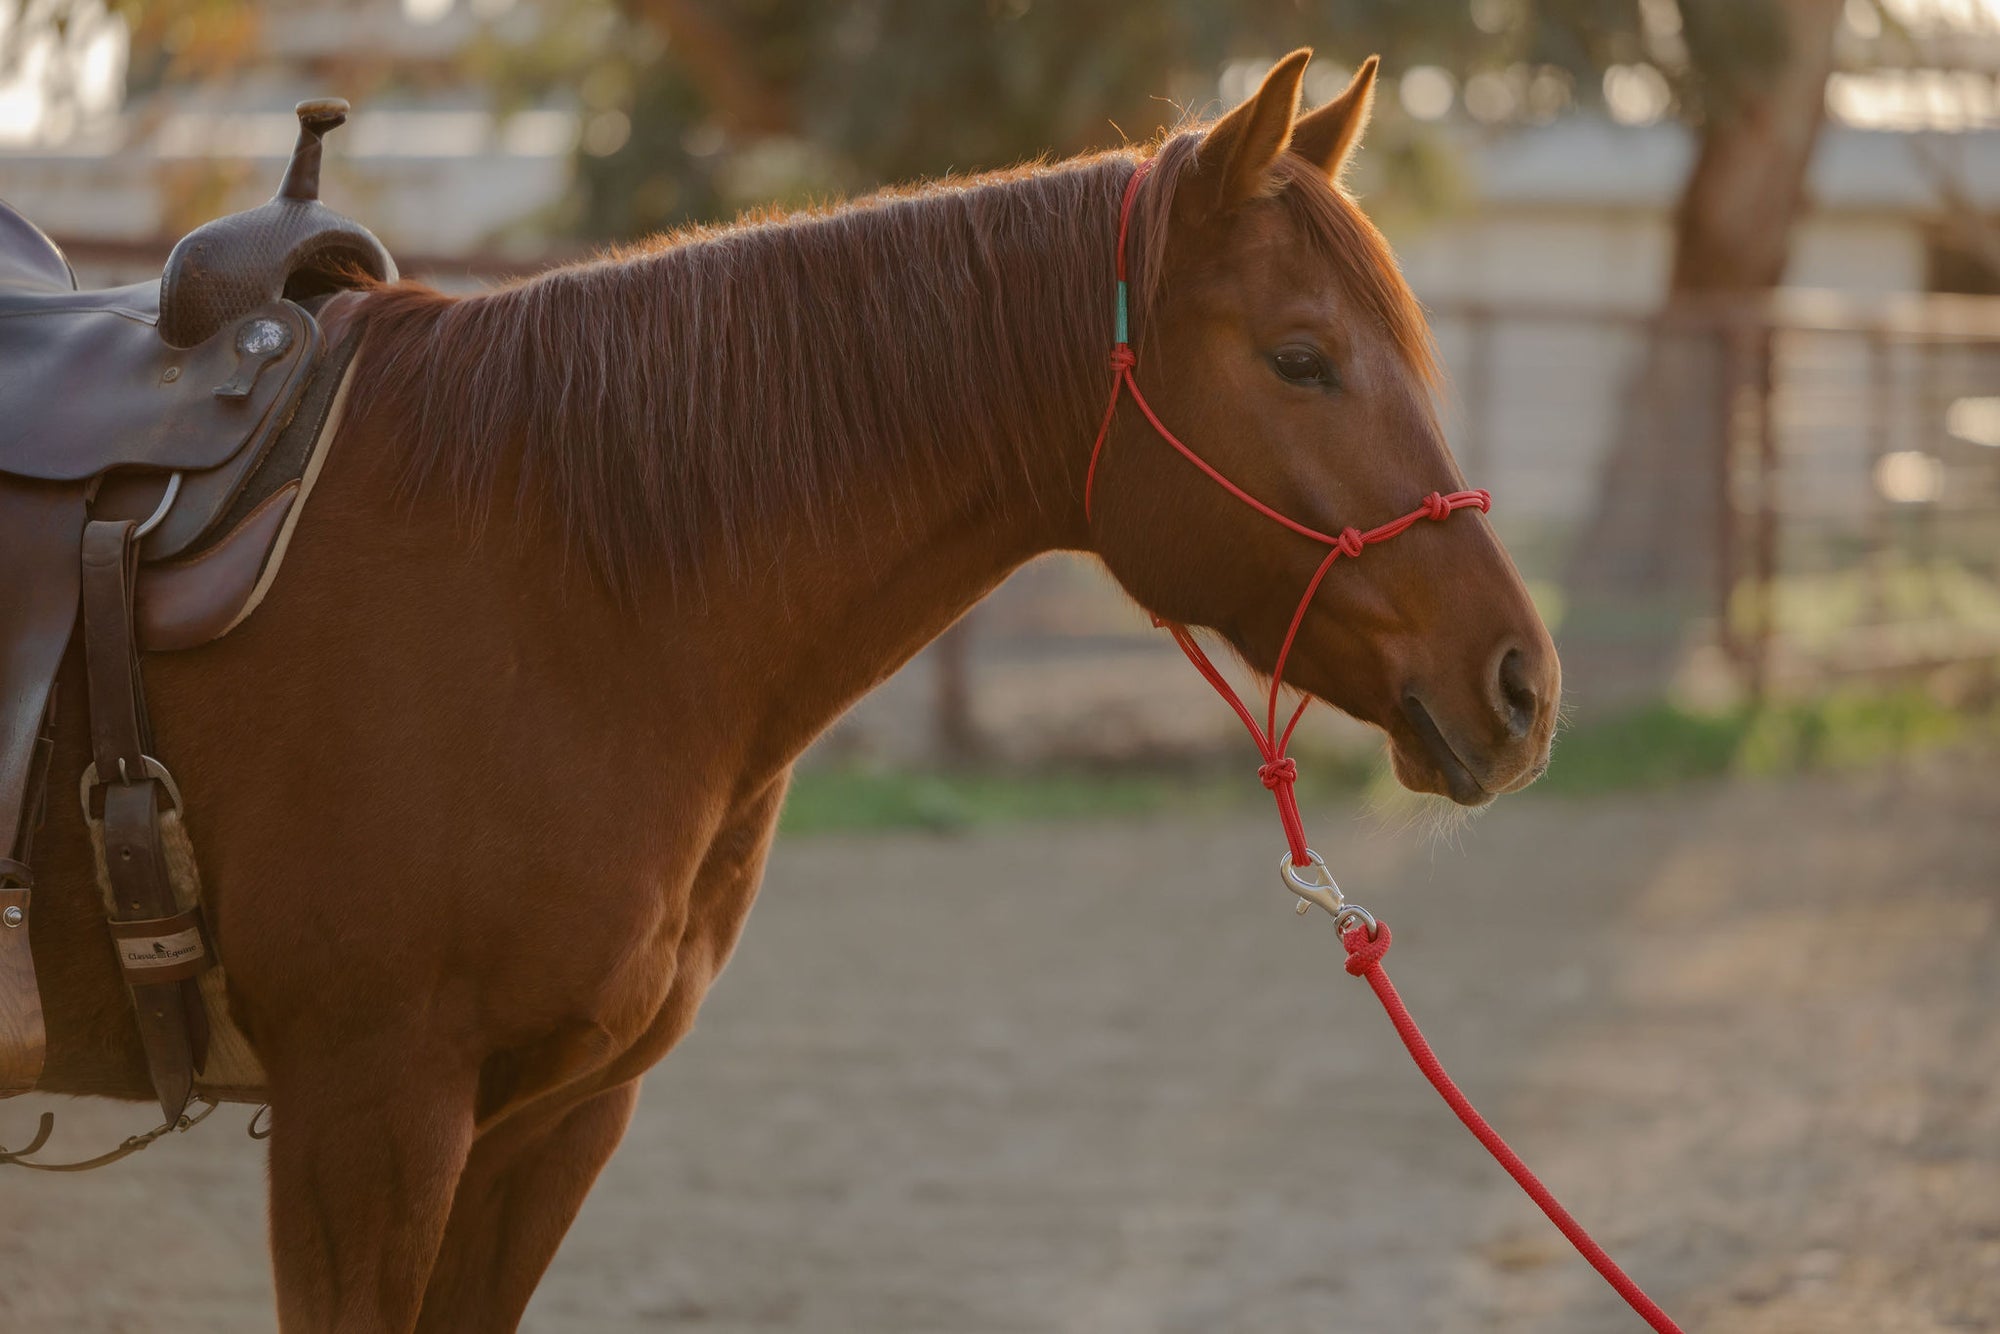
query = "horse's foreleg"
{"x": 520, "y": 1192}
{"x": 367, "y": 1143}
{"x": 529, "y": 1172}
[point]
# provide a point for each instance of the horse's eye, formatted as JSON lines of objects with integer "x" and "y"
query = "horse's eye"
{"x": 1300, "y": 365}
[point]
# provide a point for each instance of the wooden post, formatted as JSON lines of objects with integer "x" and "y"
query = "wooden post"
{"x": 1727, "y": 334}
{"x": 958, "y": 740}
{"x": 1930, "y": 420}
{"x": 1765, "y": 567}
{"x": 1881, "y": 510}
{"x": 1476, "y": 448}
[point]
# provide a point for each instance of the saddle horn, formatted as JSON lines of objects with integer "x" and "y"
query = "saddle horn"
{"x": 316, "y": 117}
{"x": 291, "y": 245}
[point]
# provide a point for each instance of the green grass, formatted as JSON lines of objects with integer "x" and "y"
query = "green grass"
{"x": 864, "y": 799}
{"x": 1648, "y": 749}
{"x": 1664, "y": 744}
{"x": 1652, "y": 747}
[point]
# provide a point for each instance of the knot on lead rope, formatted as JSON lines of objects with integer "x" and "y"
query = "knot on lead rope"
{"x": 1436, "y": 507}
{"x": 1365, "y": 955}
{"x": 1282, "y": 771}
{"x": 1123, "y": 359}
{"x": 1350, "y": 543}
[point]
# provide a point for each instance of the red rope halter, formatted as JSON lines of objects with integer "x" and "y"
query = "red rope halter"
{"x": 1278, "y": 771}
{"x": 1365, "y": 944}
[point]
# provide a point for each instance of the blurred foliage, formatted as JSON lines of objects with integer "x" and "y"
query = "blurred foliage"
{"x": 696, "y": 109}
{"x": 1889, "y": 597}
{"x": 171, "y": 40}
{"x": 188, "y": 40}
{"x": 860, "y": 797}
{"x": 1662, "y": 744}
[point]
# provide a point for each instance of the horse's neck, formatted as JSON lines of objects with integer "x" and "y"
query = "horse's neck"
{"x": 826, "y": 605}
{"x": 798, "y": 641}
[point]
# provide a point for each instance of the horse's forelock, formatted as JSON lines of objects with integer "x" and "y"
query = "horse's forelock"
{"x": 1325, "y": 215}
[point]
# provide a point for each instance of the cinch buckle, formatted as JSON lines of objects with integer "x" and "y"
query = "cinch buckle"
{"x": 152, "y": 769}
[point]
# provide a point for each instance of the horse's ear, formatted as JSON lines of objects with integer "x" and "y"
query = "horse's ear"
{"x": 1327, "y": 136}
{"x": 1237, "y": 154}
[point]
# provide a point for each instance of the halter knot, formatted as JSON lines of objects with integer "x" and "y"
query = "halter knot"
{"x": 1364, "y": 955}
{"x": 1350, "y": 542}
{"x": 1281, "y": 772}
{"x": 1436, "y": 507}
{"x": 1123, "y": 358}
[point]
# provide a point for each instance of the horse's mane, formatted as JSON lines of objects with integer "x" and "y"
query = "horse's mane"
{"x": 657, "y": 401}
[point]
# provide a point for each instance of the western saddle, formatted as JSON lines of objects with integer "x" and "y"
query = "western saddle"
{"x": 156, "y": 442}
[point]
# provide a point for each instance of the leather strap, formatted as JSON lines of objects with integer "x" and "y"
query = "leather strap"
{"x": 23, "y": 1041}
{"x": 130, "y": 1146}
{"x": 39, "y": 524}
{"x": 20, "y": 868}
{"x": 119, "y": 735}
{"x": 172, "y": 1021}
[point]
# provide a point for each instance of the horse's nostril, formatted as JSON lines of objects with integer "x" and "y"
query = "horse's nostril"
{"x": 1517, "y": 700}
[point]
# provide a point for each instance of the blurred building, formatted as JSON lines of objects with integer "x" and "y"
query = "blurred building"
{"x": 435, "y": 173}
{"x": 1567, "y": 243}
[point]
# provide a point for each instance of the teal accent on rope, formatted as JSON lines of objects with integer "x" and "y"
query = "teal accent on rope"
{"x": 1121, "y": 311}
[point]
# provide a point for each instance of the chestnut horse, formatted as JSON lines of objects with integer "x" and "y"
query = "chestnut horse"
{"x": 484, "y": 792}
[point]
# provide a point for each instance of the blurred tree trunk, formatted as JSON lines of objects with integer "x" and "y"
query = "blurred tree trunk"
{"x": 958, "y": 738}
{"x": 1650, "y": 556}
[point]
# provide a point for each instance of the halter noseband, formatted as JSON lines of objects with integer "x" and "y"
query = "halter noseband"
{"x": 1278, "y": 772}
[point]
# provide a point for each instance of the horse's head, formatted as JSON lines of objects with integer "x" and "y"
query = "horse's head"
{"x": 1277, "y": 338}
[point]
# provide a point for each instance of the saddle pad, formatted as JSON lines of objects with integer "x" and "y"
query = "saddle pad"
{"x": 187, "y": 602}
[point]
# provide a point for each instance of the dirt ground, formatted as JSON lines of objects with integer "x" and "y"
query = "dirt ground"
{"x": 1099, "y": 1078}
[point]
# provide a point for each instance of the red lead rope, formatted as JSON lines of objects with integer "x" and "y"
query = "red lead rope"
{"x": 1279, "y": 772}
{"x": 1364, "y": 959}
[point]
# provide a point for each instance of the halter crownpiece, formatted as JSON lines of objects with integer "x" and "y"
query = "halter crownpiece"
{"x": 1278, "y": 772}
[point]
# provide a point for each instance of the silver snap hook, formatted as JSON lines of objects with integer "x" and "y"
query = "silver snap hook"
{"x": 1312, "y": 883}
